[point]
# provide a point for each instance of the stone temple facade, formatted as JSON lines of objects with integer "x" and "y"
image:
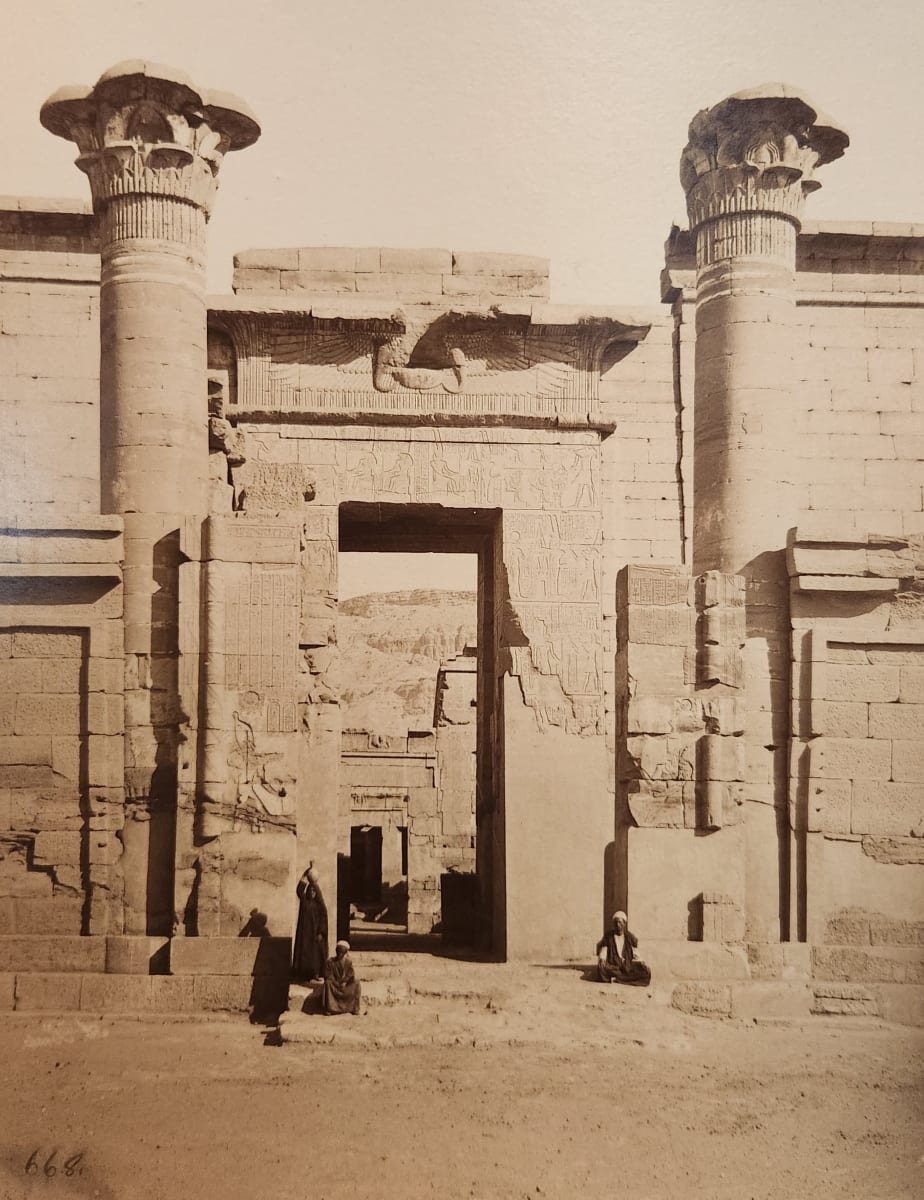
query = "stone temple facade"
{"x": 700, "y": 530}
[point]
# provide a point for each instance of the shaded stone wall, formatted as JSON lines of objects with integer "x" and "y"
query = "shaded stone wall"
{"x": 858, "y": 724}
{"x": 40, "y": 776}
{"x": 681, "y": 767}
{"x": 61, "y": 721}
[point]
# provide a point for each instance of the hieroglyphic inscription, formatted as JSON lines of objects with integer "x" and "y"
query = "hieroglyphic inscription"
{"x": 657, "y": 626}
{"x": 649, "y": 585}
{"x": 560, "y": 482}
{"x": 261, "y": 624}
{"x": 722, "y": 628}
{"x": 378, "y": 799}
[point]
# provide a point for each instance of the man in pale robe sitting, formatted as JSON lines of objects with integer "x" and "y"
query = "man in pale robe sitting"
{"x": 342, "y": 989}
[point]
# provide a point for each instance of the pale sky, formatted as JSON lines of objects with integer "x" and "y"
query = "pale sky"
{"x": 549, "y": 127}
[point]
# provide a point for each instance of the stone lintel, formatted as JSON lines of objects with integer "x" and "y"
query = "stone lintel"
{"x": 617, "y": 323}
{"x": 382, "y": 420}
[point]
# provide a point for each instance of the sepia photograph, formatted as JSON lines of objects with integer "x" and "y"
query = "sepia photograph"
{"x": 462, "y": 600}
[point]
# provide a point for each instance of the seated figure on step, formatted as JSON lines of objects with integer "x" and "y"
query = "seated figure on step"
{"x": 341, "y": 987}
{"x": 616, "y": 961}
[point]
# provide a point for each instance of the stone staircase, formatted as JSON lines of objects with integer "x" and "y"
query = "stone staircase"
{"x": 186, "y": 976}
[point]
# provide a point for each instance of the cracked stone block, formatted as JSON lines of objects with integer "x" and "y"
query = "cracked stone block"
{"x": 830, "y": 1000}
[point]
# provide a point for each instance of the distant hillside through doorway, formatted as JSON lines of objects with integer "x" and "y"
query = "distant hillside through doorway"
{"x": 391, "y": 645}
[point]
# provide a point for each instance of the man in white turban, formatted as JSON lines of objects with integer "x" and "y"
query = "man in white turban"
{"x": 341, "y": 987}
{"x": 616, "y": 961}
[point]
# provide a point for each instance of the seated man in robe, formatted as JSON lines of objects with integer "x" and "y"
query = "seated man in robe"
{"x": 341, "y": 987}
{"x": 616, "y": 961}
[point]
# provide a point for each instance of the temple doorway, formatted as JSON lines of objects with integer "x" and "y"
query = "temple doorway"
{"x": 416, "y": 768}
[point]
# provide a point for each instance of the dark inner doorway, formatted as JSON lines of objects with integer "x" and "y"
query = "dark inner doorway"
{"x": 469, "y": 899}
{"x": 366, "y": 862}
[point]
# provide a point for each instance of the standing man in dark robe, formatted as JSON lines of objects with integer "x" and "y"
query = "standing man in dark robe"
{"x": 341, "y": 987}
{"x": 310, "y": 951}
{"x": 616, "y": 961}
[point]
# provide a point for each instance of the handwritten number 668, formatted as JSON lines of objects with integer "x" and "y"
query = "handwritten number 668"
{"x": 69, "y": 1167}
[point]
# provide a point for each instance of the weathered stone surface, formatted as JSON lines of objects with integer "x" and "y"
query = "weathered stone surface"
{"x": 136, "y": 955}
{"x": 851, "y": 758}
{"x": 703, "y": 999}
{"x": 898, "y": 851}
{"x": 896, "y": 721}
{"x": 172, "y": 993}
{"x": 901, "y": 1003}
{"x": 54, "y": 915}
{"x": 116, "y": 993}
{"x": 888, "y": 808}
{"x": 861, "y": 684}
{"x": 871, "y": 964}
{"x": 844, "y": 1000}
{"x": 48, "y": 992}
{"x": 53, "y": 848}
{"x": 783, "y": 960}
{"x": 43, "y": 954}
{"x": 841, "y": 720}
{"x": 230, "y": 956}
{"x": 849, "y": 927}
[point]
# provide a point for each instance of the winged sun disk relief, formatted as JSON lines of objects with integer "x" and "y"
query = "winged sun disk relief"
{"x": 478, "y": 362}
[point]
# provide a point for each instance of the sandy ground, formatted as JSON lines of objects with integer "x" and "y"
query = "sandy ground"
{"x": 556, "y": 1089}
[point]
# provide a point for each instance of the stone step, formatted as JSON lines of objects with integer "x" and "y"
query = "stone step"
{"x": 73, "y": 991}
{"x": 376, "y": 993}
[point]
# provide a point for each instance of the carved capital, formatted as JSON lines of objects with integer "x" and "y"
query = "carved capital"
{"x": 755, "y": 154}
{"x": 147, "y": 136}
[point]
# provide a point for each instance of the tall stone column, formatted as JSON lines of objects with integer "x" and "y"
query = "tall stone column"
{"x": 151, "y": 145}
{"x": 746, "y": 170}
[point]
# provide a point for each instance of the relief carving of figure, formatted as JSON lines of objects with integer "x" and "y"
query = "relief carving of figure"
{"x": 397, "y": 479}
{"x": 258, "y": 791}
{"x": 390, "y": 370}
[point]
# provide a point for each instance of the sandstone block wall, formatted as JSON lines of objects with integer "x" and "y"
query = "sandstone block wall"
{"x": 41, "y": 752}
{"x": 49, "y": 356}
{"x": 61, "y": 721}
{"x": 681, "y": 758}
{"x": 858, "y": 357}
{"x": 858, "y": 725}
{"x": 424, "y": 275}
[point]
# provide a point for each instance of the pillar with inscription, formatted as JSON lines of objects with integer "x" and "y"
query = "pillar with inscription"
{"x": 151, "y": 144}
{"x": 746, "y": 170}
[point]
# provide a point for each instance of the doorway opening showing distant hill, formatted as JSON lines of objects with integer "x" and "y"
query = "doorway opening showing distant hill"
{"x": 412, "y": 637}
